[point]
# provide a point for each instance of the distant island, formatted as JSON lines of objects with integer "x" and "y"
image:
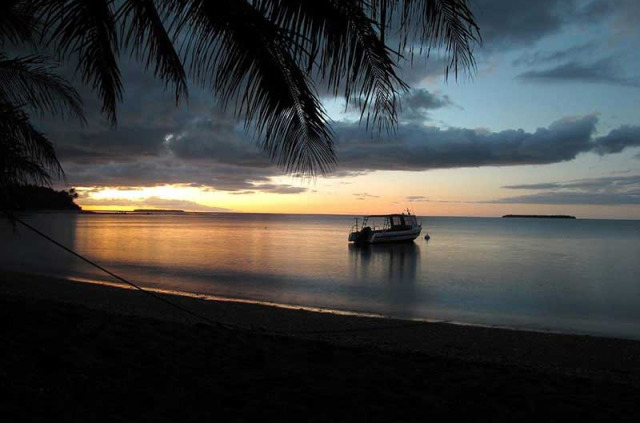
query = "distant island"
{"x": 157, "y": 211}
{"x": 540, "y": 216}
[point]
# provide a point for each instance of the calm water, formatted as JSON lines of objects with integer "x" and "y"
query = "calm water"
{"x": 579, "y": 276}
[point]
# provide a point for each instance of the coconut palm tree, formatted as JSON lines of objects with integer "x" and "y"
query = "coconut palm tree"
{"x": 264, "y": 58}
{"x": 28, "y": 84}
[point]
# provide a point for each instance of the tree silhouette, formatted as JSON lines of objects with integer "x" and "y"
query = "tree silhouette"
{"x": 27, "y": 85}
{"x": 264, "y": 58}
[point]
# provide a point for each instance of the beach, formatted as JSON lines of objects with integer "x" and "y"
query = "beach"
{"x": 75, "y": 351}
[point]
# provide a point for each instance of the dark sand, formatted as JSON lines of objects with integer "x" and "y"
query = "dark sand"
{"x": 80, "y": 352}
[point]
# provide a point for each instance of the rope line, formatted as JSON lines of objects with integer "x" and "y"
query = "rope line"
{"x": 193, "y": 313}
{"x": 110, "y": 273}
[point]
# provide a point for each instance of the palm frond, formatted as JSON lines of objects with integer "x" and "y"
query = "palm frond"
{"x": 17, "y": 22}
{"x": 86, "y": 30}
{"x": 340, "y": 44}
{"x": 26, "y": 155}
{"x": 263, "y": 55}
{"x": 144, "y": 33}
{"x": 421, "y": 25}
{"x": 30, "y": 82}
{"x": 240, "y": 55}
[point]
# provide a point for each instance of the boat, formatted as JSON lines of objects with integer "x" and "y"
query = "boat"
{"x": 402, "y": 227}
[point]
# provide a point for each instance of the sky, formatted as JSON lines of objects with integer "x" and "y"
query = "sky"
{"x": 548, "y": 124}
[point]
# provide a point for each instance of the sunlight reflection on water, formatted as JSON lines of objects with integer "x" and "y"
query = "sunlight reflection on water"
{"x": 577, "y": 276}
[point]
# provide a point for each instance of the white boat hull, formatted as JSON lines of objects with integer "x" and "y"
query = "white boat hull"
{"x": 379, "y": 237}
{"x": 385, "y": 236}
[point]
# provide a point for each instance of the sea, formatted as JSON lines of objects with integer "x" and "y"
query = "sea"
{"x": 571, "y": 276}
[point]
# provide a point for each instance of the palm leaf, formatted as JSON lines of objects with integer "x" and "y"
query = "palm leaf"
{"x": 86, "y": 30}
{"x": 144, "y": 33}
{"x": 240, "y": 55}
{"x": 340, "y": 44}
{"x": 262, "y": 55}
{"x": 17, "y": 23}
{"x": 422, "y": 25}
{"x": 26, "y": 155}
{"x": 30, "y": 82}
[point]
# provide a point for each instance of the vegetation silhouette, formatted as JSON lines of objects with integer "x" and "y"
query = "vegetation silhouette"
{"x": 32, "y": 197}
{"x": 263, "y": 57}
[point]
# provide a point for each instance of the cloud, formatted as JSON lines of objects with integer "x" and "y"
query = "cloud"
{"x": 507, "y": 24}
{"x": 619, "y": 139}
{"x": 156, "y": 143}
{"x": 168, "y": 170}
{"x": 419, "y": 147}
{"x": 532, "y": 186}
{"x": 419, "y": 199}
{"x": 574, "y": 198}
{"x": 279, "y": 189}
{"x": 422, "y": 69}
{"x": 210, "y": 151}
{"x": 602, "y": 71}
{"x": 542, "y": 57}
{"x": 416, "y": 104}
{"x": 587, "y": 184}
{"x": 152, "y": 202}
{"x": 364, "y": 196}
{"x": 617, "y": 190}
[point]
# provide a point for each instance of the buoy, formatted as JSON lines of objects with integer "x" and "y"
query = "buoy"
{"x": 427, "y": 237}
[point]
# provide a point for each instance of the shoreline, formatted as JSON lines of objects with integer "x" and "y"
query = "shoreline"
{"x": 441, "y": 338}
{"x": 76, "y": 351}
{"x": 332, "y": 311}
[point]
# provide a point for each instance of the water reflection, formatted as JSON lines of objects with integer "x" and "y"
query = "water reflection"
{"x": 23, "y": 251}
{"x": 572, "y": 276}
{"x": 393, "y": 269}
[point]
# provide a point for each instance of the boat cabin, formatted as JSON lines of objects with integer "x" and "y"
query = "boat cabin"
{"x": 393, "y": 222}
{"x": 394, "y": 228}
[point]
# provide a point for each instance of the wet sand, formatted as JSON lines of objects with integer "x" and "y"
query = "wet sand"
{"x": 76, "y": 352}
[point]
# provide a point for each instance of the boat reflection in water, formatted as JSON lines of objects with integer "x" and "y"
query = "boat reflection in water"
{"x": 388, "y": 272}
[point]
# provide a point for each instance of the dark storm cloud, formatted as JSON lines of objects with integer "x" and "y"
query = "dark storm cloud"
{"x": 218, "y": 139}
{"x": 616, "y": 190}
{"x": 512, "y": 24}
{"x": 102, "y": 146}
{"x": 157, "y": 143}
{"x": 508, "y": 23}
{"x": 210, "y": 151}
{"x": 416, "y": 104}
{"x": 604, "y": 71}
{"x": 619, "y": 139}
{"x": 168, "y": 170}
{"x": 417, "y": 147}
